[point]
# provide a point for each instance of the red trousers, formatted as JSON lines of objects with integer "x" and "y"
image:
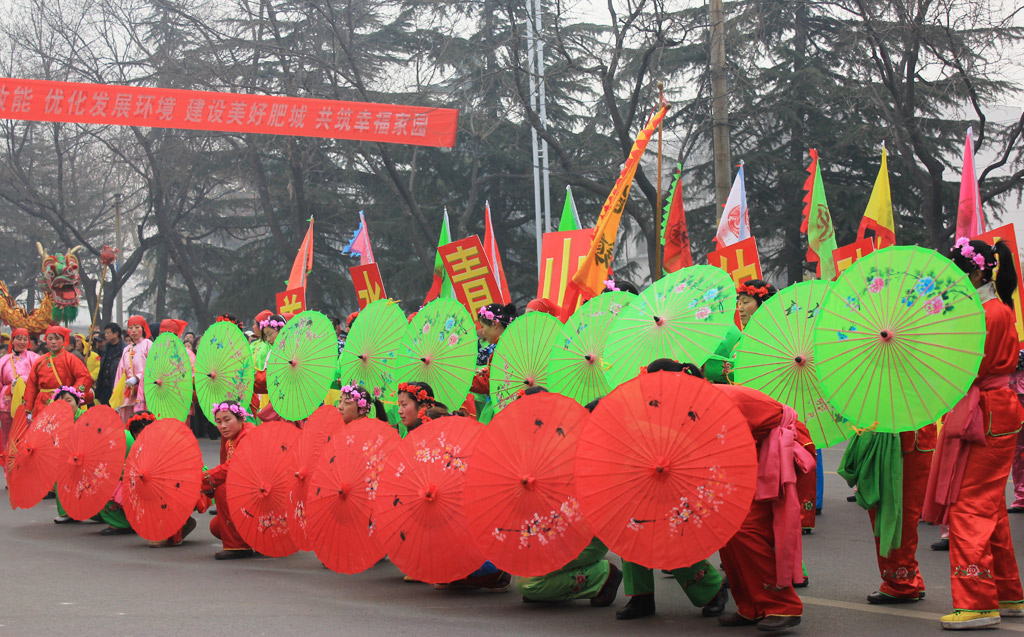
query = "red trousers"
{"x": 749, "y": 562}
{"x": 221, "y": 526}
{"x": 982, "y": 563}
{"x": 901, "y": 576}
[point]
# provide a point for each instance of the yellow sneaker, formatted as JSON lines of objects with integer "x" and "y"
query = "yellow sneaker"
{"x": 970, "y": 619}
{"x": 1011, "y": 609}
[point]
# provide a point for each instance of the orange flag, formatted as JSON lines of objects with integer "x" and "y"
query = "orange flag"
{"x": 593, "y": 272}
{"x": 303, "y": 261}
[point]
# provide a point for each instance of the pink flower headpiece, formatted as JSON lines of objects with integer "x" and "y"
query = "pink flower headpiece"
{"x": 237, "y": 410}
{"x": 610, "y": 286}
{"x": 66, "y": 389}
{"x": 963, "y": 245}
{"x": 486, "y": 314}
{"x": 271, "y": 323}
{"x": 355, "y": 394}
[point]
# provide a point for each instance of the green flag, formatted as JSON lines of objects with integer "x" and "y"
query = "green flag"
{"x": 570, "y": 218}
{"x": 442, "y": 285}
{"x": 821, "y": 235}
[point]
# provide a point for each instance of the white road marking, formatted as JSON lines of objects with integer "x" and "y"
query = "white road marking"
{"x": 1007, "y": 624}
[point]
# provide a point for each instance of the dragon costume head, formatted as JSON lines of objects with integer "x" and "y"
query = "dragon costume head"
{"x": 61, "y": 281}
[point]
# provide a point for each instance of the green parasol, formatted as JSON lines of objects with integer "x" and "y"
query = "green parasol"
{"x": 168, "y": 378}
{"x": 302, "y": 365}
{"x": 521, "y": 356}
{"x": 899, "y": 339}
{"x": 776, "y": 356}
{"x": 683, "y": 316}
{"x": 371, "y": 348}
{"x": 577, "y": 369}
{"x": 224, "y": 369}
{"x": 439, "y": 348}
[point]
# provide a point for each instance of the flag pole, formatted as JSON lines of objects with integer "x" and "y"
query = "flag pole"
{"x": 656, "y": 272}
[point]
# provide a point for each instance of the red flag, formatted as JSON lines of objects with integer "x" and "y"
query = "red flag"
{"x": 493, "y": 256}
{"x": 677, "y": 241}
{"x": 303, "y": 261}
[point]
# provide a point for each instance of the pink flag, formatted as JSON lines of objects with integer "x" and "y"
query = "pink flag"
{"x": 493, "y": 256}
{"x": 970, "y": 221}
{"x": 360, "y": 246}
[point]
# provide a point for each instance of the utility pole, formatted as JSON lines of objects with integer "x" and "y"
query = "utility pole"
{"x": 538, "y": 102}
{"x": 719, "y": 104}
{"x": 117, "y": 240}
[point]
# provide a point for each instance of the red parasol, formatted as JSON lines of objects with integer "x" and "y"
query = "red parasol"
{"x": 162, "y": 478}
{"x": 342, "y": 493}
{"x": 14, "y": 440}
{"x": 34, "y": 467}
{"x": 665, "y": 470}
{"x": 93, "y": 455}
{"x": 420, "y": 509}
{"x": 258, "y": 485}
{"x": 520, "y": 491}
{"x": 314, "y": 434}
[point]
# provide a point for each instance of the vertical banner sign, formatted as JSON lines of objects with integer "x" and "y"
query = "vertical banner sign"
{"x": 739, "y": 260}
{"x": 1006, "y": 233}
{"x": 368, "y": 284}
{"x": 847, "y": 255}
{"x": 45, "y": 101}
{"x": 561, "y": 255}
{"x": 470, "y": 274}
{"x": 291, "y": 302}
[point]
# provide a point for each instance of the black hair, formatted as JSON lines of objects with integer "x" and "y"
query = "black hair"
{"x": 378, "y": 407}
{"x": 592, "y": 405}
{"x": 503, "y": 314}
{"x": 139, "y": 421}
{"x": 669, "y": 365}
{"x": 335, "y": 321}
{"x": 113, "y": 327}
{"x": 998, "y": 258}
{"x": 536, "y": 389}
{"x": 757, "y": 283}
{"x": 621, "y": 285}
{"x": 425, "y": 387}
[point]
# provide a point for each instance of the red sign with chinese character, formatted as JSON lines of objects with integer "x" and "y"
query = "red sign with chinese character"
{"x": 847, "y": 255}
{"x": 45, "y": 101}
{"x": 739, "y": 260}
{"x": 291, "y": 302}
{"x": 1006, "y": 233}
{"x": 470, "y": 274}
{"x": 561, "y": 255}
{"x": 369, "y": 286}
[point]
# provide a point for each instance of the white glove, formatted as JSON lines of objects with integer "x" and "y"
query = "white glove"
{"x": 132, "y": 382}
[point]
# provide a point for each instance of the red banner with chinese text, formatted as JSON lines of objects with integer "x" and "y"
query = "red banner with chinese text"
{"x": 562, "y": 253}
{"x": 470, "y": 273}
{"x": 739, "y": 260}
{"x": 847, "y": 255}
{"x": 46, "y": 101}
{"x": 368, "y": 284}
{"x": 1006, "y": 233}
{"x": 291, "y": 302}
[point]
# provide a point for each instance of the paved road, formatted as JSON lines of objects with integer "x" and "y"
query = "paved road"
{"x": 68, "y": 579}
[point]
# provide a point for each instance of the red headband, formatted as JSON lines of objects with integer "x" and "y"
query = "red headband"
{"x": 60, "y": 331}
{"x": 174, "y": 326}
{"x": 18, "y": 331}
{"x": 141, "y": 322}
{"x": 758, "y": 293}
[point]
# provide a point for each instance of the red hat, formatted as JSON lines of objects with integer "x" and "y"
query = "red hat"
{"x": 351, "y": 319}
{"x": 262, "y": 316}
{"x": 60, "y": 331}
{"x": 544, "y": 305}
{"x": 174, "y": 326}
{"x": 138, "y": 320}
{"x": 18, "y": 331}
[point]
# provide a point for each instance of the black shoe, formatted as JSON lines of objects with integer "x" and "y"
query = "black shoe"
{"x": 212, "y": 511}
{"x": 817, "y": 512}
{"x": 735, "y": 619}
{"x": 803, "y": 584}
{"x": 773, "y": 623}
{"x": 113, "y": 530}
{"x": 851, "y": 498}
{"x": 1015, "y": 510}
{"x": 64, "y": 519}
{"x": 637, "y": 606}
{"x": 941, "y": 545}
{"x": 805, "y": 531}
{"x": 50, "y": 496}
{"x": 716, "y": 606}
{"x": 190, "y": 525}
{"x": 879, "y": 597}
{"x": 610, "y": 590}
{"x": 233, "y": 554}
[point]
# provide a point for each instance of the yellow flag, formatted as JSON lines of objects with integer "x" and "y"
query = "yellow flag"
{"x": 877, "y": 223}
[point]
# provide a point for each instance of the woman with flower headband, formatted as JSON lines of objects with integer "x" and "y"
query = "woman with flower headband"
{"x": 231, "y": 420}
{"x": 270, "y": 327}
{"x": 974, "y": 452}
{"x": 355, "y": 402}
{"x": 55, "y": 369}
{"x": 701, "y": 582}
{"x": 15, "y": 367}
{"x": 133, "y": 366}
{"x": 416, "y": 405}
{"x": 494, "y": 319}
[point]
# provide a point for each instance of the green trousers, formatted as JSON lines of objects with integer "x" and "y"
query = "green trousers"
{"x": 112, "y": 514}
{"x": 701, "y": 582}
{"x": 581, "y": 578}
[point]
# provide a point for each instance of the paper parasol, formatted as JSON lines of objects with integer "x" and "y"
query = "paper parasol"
{"x": 521, "y": 357}
{"x": 302, "y": 365}
{"x": 439, "y": 348}
{"x": 37, "y": 461}
{"x": 224, "y": 368}
{"x": 371, "y": 349}
{"x": 93, "y": 452}
{"x": 168, "y": 378}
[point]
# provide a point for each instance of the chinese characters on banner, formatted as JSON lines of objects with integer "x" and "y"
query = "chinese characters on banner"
{"x": 291, "y": 302}
{"x": 46, "y": 101}
{"x": 739, "y": 260}
{"x": 1007, "y": 234}
{"x": 470, "y": 274}
{"x": 847, "y": 255}
{"x": 561, "y": 255}
{"x": 368, "y": 284}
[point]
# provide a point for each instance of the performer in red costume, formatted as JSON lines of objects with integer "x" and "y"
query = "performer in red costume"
{"x": 967, "y": 483}
{"x": 762, "y": 561}
{"x": 56, "y": 368}
{"x": 230, "y": 418}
